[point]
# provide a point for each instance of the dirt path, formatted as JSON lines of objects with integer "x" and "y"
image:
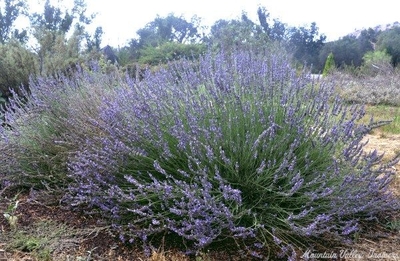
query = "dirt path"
{"x": 383, "y": 243}
{"x": 390, "y": 146}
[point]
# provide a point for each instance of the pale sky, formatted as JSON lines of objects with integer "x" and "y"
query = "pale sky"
{"x": 121, "y": 19}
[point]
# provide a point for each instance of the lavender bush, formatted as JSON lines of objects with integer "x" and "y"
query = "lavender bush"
{"x": 41, "y": 129}
{"x": 236, "y": 146}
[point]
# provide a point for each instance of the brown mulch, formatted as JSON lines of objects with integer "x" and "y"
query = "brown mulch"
{"x": 85, "y": 232}
{"x": 88, "y": 235}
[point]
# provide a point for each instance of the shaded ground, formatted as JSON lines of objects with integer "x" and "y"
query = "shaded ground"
{"x": 49, "y": 232}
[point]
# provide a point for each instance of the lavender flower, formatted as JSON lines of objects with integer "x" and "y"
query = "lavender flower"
{"x": 234, "y": 145}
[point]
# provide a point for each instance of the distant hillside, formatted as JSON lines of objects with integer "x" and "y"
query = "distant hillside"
{"x": 378, "y": 28}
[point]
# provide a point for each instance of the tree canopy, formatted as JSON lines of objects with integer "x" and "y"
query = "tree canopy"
{"x": 12, "y": 10}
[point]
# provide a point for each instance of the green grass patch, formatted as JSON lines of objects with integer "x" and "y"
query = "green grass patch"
{"x": 383, "y": 113}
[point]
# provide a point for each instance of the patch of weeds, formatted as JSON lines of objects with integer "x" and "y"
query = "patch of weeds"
{"x": 203, "y": 257}
{"x": 36, "y": 246}
{"x": 394, "y": 225}
{"x": 39, "y": 240}
{"x": 86, "y": 258}
{"x": 394, "y": 126}
{"x": 384, "y": 113}
{"x": 9, "y": 213}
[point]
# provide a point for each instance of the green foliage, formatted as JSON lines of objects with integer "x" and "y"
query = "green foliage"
{"x": 124, "y": 56}
{"x": 171, "y": 29}
{"x": 376, "y": 57}
{"x": 376, "y": 62}
{"x": 389, "y": 40}
{"x": 55, "y": 51}
{"x": 348, "y": 50}
{"x": 276, "y": 32}
{"x": 94, "y": 42}
{"x": 329, "y": 65}
{"x": 16, "y": 66}
{"x": 306, "y": 43}
{"x": 229, "y": 35}
{"x": 57, "y": 54}
{"x": 385, "y": 113}
{"x": 394, "y": 225}
{"x": 167, "y": 34}
{"x": 170, "y": 51}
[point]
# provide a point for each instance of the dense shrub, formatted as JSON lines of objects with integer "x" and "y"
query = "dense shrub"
{"x": 376, "y": 62}
{"x": 16, "y": 66}
{"x": 40, "y": 133}
{"x": 329, "y": 65}
{"x": 169, "y": 51}
{"x": 382, "y": 87}
{"x": 234, "y": 146}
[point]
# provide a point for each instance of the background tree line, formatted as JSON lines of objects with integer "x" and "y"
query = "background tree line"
{"x": 57, "y": 40}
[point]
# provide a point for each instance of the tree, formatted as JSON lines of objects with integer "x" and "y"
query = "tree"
{"x": 306, "y": 43}
{"x": 346, "y": 51}
{"x": 389, "y": 40}
{"x": 350, "y": 49}
{"x": 52, "y": 19}
{"x": 134, "y": 49}
{"x": 231, "y": 34}
{"x": 263, "y": 16}
{"x": 376, "y": 62}
{"x": 367, "y": 40}
{"x": 12, "y": 10}
{"x": 167, "y": 29}
{"x": 277, "y": 31}
{"x": 93, "y": 42}
{"x": 50, "y": 29}
{"x": 162, "y": 30}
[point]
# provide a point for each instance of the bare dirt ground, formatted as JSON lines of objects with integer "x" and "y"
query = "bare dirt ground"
{"x": 49, "y": 232}
{"x": 381, "y": 243}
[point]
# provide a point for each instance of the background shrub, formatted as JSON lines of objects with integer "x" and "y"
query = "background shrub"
{"x": 376, "y": 62}
{"x": 16, "y": 66}
{"x": 382, "y": 88}
{"x": 169, "y": 51}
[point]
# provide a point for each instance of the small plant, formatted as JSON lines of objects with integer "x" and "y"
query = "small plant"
{"x": 329, "y": 65}
{"x": 10, "y": 214}
{"x": 394, "y": 225}
{"x": 41, "y": 239}
{"x": 86, "y": 258}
